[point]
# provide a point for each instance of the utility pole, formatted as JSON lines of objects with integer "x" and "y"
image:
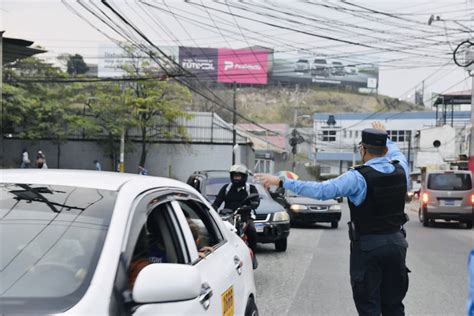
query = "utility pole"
{"x": 121, "y": 167}
{"x": 471, "y": 142}
{"x": 294, "y": 150}
{"x": 409, "y": 150}
{"x": 234, "y": 121}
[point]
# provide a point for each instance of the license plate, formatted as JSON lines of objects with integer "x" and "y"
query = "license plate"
{"x": 228, "y": 302}
{"x": 259, "y": 228}
{"x": 448, "y": 202}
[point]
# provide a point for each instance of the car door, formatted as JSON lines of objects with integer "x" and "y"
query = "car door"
{"x": 222, "y": 268}
{"x": 155, "y": 208}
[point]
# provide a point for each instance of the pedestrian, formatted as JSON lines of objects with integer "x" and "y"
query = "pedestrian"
{"x": 97, "y": 165}
{"x": 41, "y": 160}
{"x": 25, "y": 160}
{"x": 470, "y": 296}
{"x": 376, "y": 196}
{"x": 142, "y": 171}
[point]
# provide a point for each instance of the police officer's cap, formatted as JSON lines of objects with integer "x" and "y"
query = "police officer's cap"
{"x": 374, "y": 137}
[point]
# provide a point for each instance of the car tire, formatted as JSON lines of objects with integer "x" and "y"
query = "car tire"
{"x": 334, "y": 224}
{"x": 251, "y": 309}
{"x": 426, "y": 220}
{"x": 469, "y": 224}
{"x": 281, "y": 244}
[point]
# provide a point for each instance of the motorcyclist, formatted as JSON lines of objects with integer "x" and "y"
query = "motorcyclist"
{"x": 234, "y": 193}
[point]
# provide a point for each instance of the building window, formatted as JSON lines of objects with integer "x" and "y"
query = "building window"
{"x": 325, "y": 169}
{"x": 263, "y": 166}
{"x": 329, "y": 136}
{"x": 398, "y": 136}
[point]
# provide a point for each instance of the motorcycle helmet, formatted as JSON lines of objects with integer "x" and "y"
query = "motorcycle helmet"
{"x": 238, "y": 170}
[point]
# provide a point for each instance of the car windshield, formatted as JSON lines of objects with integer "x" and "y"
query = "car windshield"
{"x": 261, "y": 191}
{"x": 450, "y": 181}
{"x": 214, "y": 185}
{"x": 51, "y": 238}
{"x": 320, "y": 61}
{"x": 290, "y": 193}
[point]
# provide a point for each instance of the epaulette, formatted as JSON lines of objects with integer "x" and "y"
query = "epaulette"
{"x": 357, "y": 167}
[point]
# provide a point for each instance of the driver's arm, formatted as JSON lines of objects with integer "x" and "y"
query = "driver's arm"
{"x": 219, "y": 198}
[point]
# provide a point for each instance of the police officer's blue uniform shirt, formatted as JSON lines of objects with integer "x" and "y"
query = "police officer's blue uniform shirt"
{"x": 350, "y": 184}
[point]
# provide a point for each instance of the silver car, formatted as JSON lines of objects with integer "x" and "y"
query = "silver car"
{"x": 447, "y": 195}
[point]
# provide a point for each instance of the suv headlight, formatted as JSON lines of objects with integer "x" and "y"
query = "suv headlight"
{"x": 281, "y": 216}
{"x": 335, "y": 208}
{"x": 298, "y": 207}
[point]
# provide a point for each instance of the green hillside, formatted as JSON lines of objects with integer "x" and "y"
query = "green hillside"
{"x": 277, "y": 104}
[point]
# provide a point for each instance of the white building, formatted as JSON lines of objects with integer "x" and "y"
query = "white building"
{"x": 337, "y": 134}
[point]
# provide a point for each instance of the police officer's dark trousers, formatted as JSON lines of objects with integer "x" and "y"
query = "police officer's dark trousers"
{"x": 379, "y": 276}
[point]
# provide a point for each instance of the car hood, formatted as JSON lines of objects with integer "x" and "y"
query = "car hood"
{"x": 308, "y": 201}
{"x": 268, "y": 206}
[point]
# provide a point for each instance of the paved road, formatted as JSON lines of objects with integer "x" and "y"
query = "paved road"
{"x": 312, "y": 276}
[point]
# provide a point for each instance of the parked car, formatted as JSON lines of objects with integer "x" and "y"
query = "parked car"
{"x": 272, "y": 221}
{"x": 84, "y": 243}
{"x": 302, "y": 65}
{"x": 351, "y": 70}
{"x": 447, "y": 195}
{"x": 304, "y": 210}
{"x": 337, "y": 68}
{"x": 320, "y": 68}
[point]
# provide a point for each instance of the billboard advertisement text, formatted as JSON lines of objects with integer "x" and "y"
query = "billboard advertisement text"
{"x": 242, "y": 66}
{"x": 201, "y": 62}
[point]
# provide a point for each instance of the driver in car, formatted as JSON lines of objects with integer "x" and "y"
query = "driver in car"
{"x": 234, "y": 193}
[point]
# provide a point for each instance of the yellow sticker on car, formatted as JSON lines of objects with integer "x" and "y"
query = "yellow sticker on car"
{"x": 228, "y": 302}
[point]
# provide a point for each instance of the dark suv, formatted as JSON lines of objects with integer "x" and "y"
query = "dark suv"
{"x": 272, "y": 221}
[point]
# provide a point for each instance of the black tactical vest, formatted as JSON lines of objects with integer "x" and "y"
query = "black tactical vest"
{"x": 382, "y": 211}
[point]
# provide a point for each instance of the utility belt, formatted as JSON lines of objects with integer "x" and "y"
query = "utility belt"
{"x": 354, "y": 235}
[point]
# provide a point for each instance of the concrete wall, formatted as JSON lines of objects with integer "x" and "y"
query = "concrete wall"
{"x": 177, "y": 161}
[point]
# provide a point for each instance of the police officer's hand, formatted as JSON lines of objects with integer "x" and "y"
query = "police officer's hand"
{"x": 378, "y": 125}
{"x": 267, "y": 179}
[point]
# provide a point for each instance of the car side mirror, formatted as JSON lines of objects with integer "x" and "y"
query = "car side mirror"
{"x": 167, "y": 282}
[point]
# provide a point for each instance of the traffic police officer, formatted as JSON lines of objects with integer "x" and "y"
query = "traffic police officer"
{"x": 376, "y": 196}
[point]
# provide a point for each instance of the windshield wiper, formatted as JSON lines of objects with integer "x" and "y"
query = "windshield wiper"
{"x": 35, "y": 195}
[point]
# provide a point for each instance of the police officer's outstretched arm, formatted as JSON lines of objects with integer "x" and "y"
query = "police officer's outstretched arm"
{"x": 219, "y": 198}
{"x": 393, "y": 153}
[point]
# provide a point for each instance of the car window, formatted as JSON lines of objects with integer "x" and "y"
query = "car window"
{"x": 203, "y": 227}
{"x": 50, "y": 235}
{"x": 449, "y": 181}
{"x": 214, "y": 185}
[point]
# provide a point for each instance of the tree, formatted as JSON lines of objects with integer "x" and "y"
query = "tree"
{"x": 76, "y": 65}
{"x": 154, "y": 103}
{"x": 38, "y": 110}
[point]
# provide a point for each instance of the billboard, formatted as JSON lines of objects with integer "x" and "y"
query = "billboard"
{"x": 113, "y": 59}
{"x": 307, "y": 68}
{"x": 247, "y": 66}
{"x": 201, "y": 62}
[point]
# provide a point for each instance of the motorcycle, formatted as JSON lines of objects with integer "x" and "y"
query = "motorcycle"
{"x": 240, "y": 220}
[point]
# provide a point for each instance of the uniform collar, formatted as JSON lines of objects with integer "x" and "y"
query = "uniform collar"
{"x": 377, "y": 160}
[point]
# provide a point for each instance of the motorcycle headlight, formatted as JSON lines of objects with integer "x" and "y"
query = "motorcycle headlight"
{"x": 281, "y": 216}
{"x": 336, "y": 207}
{"x": 298, "y": 207}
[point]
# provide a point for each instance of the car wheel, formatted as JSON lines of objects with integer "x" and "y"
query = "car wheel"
{"x": 420, "y": 215}
{"x": 469, "y": 225}
{"x": 426, "y": 220}
{"x": 281, "y": 244}
{"x": 334, "y": 224}
{"x": 251, "y": 309}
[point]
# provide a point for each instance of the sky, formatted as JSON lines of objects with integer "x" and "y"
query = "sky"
{"x": 373, "y": 30}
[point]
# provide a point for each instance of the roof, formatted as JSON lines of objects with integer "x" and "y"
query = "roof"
{"x": 428, "y": 115}
{"x": 83, "y": 178}
{"x": 14, "y": 49}
{"x": 457, "y": 97}
{"x": 264, "y": 139}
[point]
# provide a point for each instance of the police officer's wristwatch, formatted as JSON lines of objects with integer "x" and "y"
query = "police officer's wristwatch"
{"x": 282, "y": 180}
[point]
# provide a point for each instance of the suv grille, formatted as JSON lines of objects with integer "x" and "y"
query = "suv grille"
{"x": 262, "y": 217}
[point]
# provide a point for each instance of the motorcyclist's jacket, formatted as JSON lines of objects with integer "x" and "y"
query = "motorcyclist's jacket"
{"x": 233, "y": 197}
{"x": 382, "y": 211}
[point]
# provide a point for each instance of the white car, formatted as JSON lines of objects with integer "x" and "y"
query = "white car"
{"x": 102, "y": 243}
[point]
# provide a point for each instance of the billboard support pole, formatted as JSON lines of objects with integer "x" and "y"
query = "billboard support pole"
{"x": 234, "y": 121}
